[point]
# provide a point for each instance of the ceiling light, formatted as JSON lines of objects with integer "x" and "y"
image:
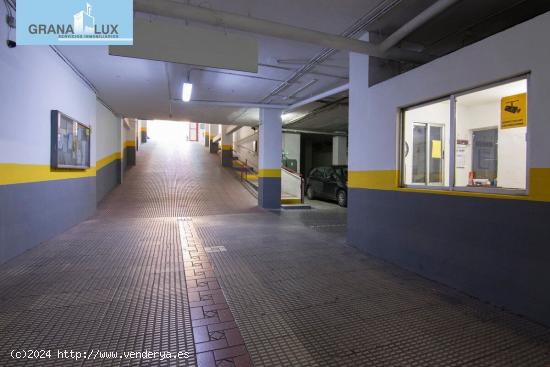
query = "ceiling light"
{"x": 186, "y": 92}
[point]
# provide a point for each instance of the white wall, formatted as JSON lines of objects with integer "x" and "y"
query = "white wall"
{"x": 291, "y": 146}
{"x": 108, "y": 139}
{"x": 243, "y": 145}
{"x": 34, "y": 81}
{"x": 339, "y": 150}
{"x": 130, "y": 130}
{"x": 374, "y": 111}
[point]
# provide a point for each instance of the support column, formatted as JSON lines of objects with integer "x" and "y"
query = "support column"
{"x": 143, "y": 131}
{"x": 227, "y": 146}
{"x": 206, "y": 135}
{"x": 269, "y": 162}
{"x": 214, "y": 129}
{"x": 130, "y": 139}
{"x": 339, "y": 151}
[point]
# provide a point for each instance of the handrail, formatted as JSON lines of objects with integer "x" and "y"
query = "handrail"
{"x": 291, "y": 171}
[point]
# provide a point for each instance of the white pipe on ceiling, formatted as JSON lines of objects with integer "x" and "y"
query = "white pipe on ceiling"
{"x": 233, "y": 104}
{"x": 174, "y": 9}
{"x": 317, "y": 97}
{"x": 415, "y": 23}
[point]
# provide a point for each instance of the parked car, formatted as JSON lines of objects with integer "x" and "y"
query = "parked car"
{"x": 329, "y": 183}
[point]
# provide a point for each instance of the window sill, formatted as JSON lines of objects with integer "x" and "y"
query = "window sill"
{"x": 497, "y": 193}
{"x": 492, "y": 190}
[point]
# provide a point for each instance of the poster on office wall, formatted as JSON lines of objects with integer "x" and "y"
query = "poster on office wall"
{"x": 513, "y": 111}
{"x": 70, "y": 142}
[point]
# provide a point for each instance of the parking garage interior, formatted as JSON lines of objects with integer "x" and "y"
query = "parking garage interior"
{"x": 290, "y": 183}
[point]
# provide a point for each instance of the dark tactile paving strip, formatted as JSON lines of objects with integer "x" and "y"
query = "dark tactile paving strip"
{"x": 218, "y": 341}
{"x": 117, "y": 282}
{"x": 301, "y": 297}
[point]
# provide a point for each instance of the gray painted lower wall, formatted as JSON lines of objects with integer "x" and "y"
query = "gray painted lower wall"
{"x": 129, "y": 156}
{"x": 32, "y": 213}
{"x": 496, "y": 250}
{"x": 213, "y": 147}
{"x": 227, "y": 158}
{"x": 269, "y": 192}
{"x": 107, "y": 178}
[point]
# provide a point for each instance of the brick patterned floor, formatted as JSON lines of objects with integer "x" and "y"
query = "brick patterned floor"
{"x": 179, "y": 258}
{"x": 117, "y": 282}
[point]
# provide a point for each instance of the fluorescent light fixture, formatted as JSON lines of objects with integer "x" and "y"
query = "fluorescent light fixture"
{"x": 186, "y": 92}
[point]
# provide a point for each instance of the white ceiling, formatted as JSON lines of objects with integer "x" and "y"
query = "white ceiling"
{"x": 149, "y": 89}
{"x": 144, "y": 88}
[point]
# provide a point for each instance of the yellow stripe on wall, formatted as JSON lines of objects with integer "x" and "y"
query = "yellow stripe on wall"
{"x": 376, "y": 180}
{"x": 269, "y": 173}
{"x": 539, "y": 185}
{"x": 129, "y": 143}
{"x": 143, "y": 129}
{"x": 227, "y": 147}
{"x": 106, "y": 160}
{"x": 14, "y": 173}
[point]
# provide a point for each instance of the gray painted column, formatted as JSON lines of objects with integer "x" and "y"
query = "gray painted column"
{"x": 206, "y": 135}
{"x": 214, "y": 129}
{"x": 227, "y": 146}
{"x": 339, "y": 151}
{"x": 269, "y": 162}
{"x": 143, "y": 131}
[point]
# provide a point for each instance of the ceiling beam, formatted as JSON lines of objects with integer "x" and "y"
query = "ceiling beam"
{"x": 413, "y": 24}
{"x": 173, "y": 9}
{"x": 213, "y": 17}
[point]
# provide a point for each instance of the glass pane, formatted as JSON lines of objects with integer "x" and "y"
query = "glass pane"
{"x": 436, "y": 154}
{"x": 485, "y": 155}
{"x": 419, "y": 154}
{"x": 491, "y": 144}
{"x": 425, "y": 132}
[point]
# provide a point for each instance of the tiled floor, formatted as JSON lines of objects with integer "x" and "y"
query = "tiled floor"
{"x": 178, "y": 258}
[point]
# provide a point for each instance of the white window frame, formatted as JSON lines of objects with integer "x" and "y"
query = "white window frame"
{"x": 451, "y": 154}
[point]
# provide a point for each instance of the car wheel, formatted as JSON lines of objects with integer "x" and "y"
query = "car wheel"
{"x": 342, "y": 198}
{"x": 310, "y": 193}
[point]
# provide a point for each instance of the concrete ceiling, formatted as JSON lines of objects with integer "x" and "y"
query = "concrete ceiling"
{"x": 151, "y": 89}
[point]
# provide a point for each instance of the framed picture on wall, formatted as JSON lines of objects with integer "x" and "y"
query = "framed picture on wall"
{"x": 70, "y": 142}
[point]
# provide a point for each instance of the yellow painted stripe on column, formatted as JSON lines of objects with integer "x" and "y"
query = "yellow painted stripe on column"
{"x": 106, "y": 160}
{"x": 206, "y": 133}
{"x": 143, "y": 129}
{"x": 377, "y": 180}
{"x": 269, "y": 173}
{"x": 14, "y": 173}
{"x": 129, "y": 143}
{"x": 227, "y": 147}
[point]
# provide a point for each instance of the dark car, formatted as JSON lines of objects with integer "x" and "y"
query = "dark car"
{"x": 328, "y": 183}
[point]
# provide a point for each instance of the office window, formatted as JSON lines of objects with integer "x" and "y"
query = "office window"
{"x": 491, "y": 144}
{"x": 425, "y": 143}
{"x": 486, "y": 138}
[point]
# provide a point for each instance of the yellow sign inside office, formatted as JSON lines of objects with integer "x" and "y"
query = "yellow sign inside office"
{"x": 436, "y": 149}
{"x": 513, "y": 111}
